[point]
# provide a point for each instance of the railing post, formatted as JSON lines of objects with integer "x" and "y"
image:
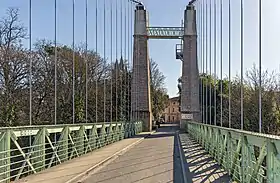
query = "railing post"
{"x": 117, "y": 132}
{"x": 130, "y": 130}
{"x": 38, "y": 152}
{"x": 110, "y": 135}
{"x": 137, "y": 125}
{"x": 133, "y": 129}
{"x": 93, "y": 137}
{"x": 122, "y": 131}
{"x": 80, "y": 140}
{"x": 141, "y": 126}
{"x": 228, "y": 153}
{"x": 126, "y": 130}
{"x": 271, "y": 161}
{"x": 63, "y": 144}
{"x": 5, "y": 161}
{"x": 102, "y": 136}
{"x": 224, "y": 142}
{"x": 235, "y": 157}
{"x": 217, "y": 150}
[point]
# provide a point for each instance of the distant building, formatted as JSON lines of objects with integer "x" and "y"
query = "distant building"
{"x": 172, "y": 112}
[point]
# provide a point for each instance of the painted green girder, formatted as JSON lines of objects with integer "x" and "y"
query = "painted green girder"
{"x": 30, "y": 149}
{"x": 248, "y": 157}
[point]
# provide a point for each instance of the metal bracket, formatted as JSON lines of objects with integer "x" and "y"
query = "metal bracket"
{"x": 179, "y": 51}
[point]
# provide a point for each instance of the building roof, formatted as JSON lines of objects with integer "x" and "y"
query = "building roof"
{"x": 174, "y": 99}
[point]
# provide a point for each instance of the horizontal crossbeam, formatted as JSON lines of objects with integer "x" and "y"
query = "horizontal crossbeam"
{"x": 165, "y": 32}
{"x": 33, "y": 130}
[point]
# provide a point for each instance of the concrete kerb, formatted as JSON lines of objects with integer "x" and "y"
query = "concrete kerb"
{"x": 182, "y": 157}
{"x": 82, "y": 176}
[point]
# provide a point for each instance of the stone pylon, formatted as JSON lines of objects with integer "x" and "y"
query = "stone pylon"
{"x": 190, "y": 109}
{"x": 140, "y": 87}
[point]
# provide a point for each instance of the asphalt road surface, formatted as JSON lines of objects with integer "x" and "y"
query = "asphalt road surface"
{"x": 155, "y": 160}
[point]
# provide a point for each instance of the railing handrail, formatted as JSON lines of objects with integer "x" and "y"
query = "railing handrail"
{"x": 59, "y": 125}
{"x": 268, "y": 136}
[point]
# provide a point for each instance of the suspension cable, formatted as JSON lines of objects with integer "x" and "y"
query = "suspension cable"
{"x": 210, "y": 63}
{"x": 97, "y": 60}
{"x": 132, "y": 53}
{"x": 260, "y": 66}
{"x": 104, "y": 66}
{"x": 116, "y": 69}
{"x": 30, "y": 63}
{"x": 206, "y": 65}
{"x": 200, "y": 58}
{"x": 221, "y": 61}
{"x": 121, "y": 59}
{"x": 86, "y": 61}
{"x": 229, "y": 63}
{"x": 204, "y": 58}
{"x": 55, "y": 63}
{"x": 136, "y": 71}
{"x": 112, "y": 68}
{"x": 30, "y": 70}
{"x": 128, "y": 64}
{"x": 215, "y": 63}
{"x": 125, "y": 64}
{"x": 241, "y": 64}
{"x": 55, "y": 67}
{"x": 242, "y": 85}
{"x": 73, "y": 66}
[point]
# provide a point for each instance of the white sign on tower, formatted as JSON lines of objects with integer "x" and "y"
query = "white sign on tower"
{"x": 187, "y": 116}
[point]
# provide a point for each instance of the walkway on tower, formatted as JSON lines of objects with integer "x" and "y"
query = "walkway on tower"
{"x": 162, "y": 156}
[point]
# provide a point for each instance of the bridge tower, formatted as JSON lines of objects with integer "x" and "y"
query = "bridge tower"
{"x": 140, "y": 92}
{"x": 140, "y": 87}
{"x": 190, "y": 109}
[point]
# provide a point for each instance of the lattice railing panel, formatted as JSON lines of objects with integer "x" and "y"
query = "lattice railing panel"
{"x": 52, "y": 145}
{"x": 247, "y": 156}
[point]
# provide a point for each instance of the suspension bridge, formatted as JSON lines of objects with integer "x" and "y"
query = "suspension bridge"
{"x": 83, "y": 113}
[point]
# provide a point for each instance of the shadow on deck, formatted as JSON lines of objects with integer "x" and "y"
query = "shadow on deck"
{"x": 201, "y": 167}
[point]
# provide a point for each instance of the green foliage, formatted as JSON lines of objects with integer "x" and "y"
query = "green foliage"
{"x": 159, "y": 97}
{"x": 270, "y": 101}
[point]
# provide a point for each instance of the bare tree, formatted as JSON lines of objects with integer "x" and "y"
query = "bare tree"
{"x": 13, "y": 67}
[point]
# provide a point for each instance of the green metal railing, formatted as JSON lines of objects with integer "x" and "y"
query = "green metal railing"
{"x": 247, "y": 156}
{"x": 30, "y": 149}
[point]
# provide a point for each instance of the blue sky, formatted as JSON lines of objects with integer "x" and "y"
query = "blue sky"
{"x": 169, "y": 13}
